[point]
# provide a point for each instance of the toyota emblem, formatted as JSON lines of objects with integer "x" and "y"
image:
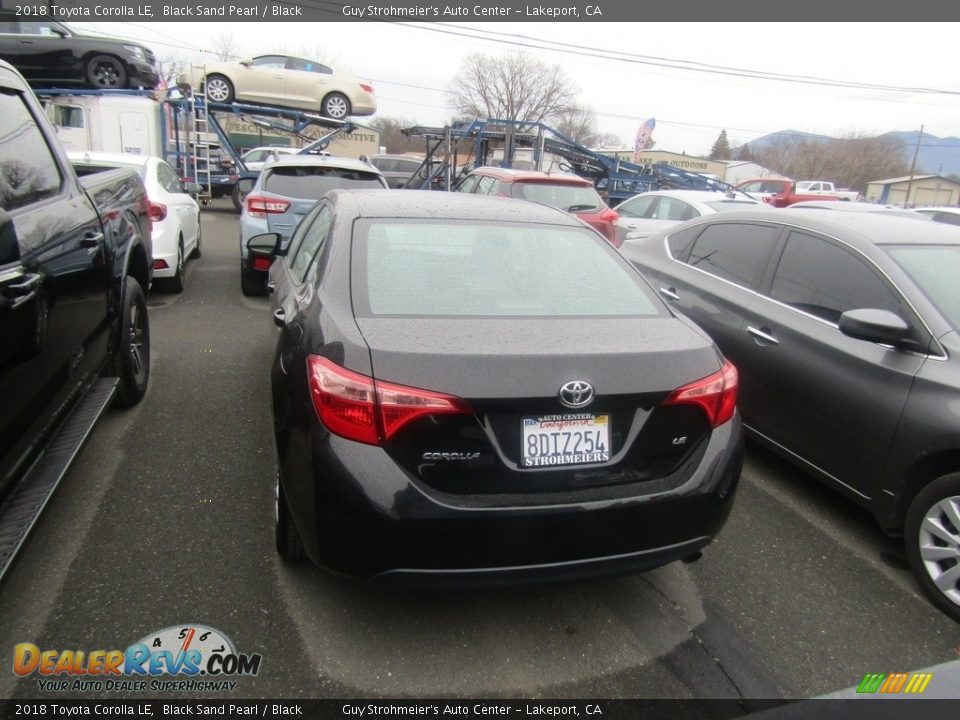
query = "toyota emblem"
{"x": 576, "y": 394}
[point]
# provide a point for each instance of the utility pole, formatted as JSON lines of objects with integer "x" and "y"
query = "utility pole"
{"x": 913, "y": 167}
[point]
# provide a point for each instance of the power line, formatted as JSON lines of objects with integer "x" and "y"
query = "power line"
{"x": 683, "y": 65}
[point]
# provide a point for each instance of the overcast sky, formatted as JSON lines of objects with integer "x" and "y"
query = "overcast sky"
{"x": 411, "y": 65}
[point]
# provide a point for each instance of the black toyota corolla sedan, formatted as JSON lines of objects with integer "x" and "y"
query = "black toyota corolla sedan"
{"x": 845, "y": 327}
{"x": 469, "y": 388}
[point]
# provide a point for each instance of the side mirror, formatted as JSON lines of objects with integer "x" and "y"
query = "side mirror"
{"x": 872, "y": 325}
{"x": 266, "y": 245}
{"x": 192, "y": 188}
{"x": 246, "y": 62}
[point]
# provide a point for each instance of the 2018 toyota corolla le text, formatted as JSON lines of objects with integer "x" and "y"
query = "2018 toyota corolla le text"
{"x": 470, "y": 387}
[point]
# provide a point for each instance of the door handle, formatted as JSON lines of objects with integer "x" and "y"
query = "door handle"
{"x": 279, "y": 317}
{"x": 763, "y": 337}
{"x": 669, "y": 293}
{"x": 22, "y": 291}
{"x": 91, "y": 239}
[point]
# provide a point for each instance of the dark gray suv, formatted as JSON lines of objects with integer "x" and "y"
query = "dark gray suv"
{"x": 844, "y": 327}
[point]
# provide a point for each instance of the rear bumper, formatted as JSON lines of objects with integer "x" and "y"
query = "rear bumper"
{"x": 363, "y": 104}
{"x": 376, "y": 521}
{"x": 142, "y": 73}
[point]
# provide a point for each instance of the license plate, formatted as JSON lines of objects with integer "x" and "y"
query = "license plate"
{"x": 569, "y": 439}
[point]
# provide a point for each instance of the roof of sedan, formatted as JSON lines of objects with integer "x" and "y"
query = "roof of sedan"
{"x": 858, "y": 227}
{"x": 512, "y": 174}
{"x": 321, "y": 161}
{"x": 702, "y": 195}
{"x": 435, "y": 204}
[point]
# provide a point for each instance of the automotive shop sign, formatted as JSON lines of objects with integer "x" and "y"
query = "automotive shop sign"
{"x": 182, "y": 658}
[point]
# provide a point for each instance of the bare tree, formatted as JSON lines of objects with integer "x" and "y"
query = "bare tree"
{"x": 225, "y": 47}
{"x": 393, "y": 139}
{"x": 580, "y": 124}
{"x": 611, "y": 140}
{"x": 850, "y": 161}
{"x": 169, "y": 67}
{"x": 516, "y": 86}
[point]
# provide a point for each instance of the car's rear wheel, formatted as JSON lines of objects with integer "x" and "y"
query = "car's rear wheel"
{"x": 289, "y": 544}
{"x": 219, "y": 89}
{"x": 177, "y": 283}
{"x": 251, "y": 282}
{"x": 336, "y": 106}
{"x": 106, "y": 71}
{"x": 932, "y": 538}
{"x": 130, "y": 360}
{"x": 197, "y": 252}
{"x": 241, "y": 189}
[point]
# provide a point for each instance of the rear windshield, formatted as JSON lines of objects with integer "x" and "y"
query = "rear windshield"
{"x": 314, "y": 182}
{"x": 479, "y": 269}
{"x": 565, "y": 197}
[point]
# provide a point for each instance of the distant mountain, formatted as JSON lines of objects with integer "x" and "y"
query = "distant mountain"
{"x": 937, "y": 156}
{"x": 934, "y": 152}
{"x": 784, "y": 136}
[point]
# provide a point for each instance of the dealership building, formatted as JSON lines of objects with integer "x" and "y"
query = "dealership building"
{"x": 917, "y": 190}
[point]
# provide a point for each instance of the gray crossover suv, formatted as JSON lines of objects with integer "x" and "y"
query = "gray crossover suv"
{"x": 844, "y": 327}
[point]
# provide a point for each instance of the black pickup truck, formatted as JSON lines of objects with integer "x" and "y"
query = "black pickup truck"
{"x": 75, "y": 264}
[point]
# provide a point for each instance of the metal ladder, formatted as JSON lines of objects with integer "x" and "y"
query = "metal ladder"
{"x": 198, "y": 136}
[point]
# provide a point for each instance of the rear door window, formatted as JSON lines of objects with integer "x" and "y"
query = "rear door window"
{"x": 737, "y": 252}
{"x": 469, "y": 184}
{"x": 311, "y": 243}
{"x": 825, "y": 280}
{"x": 483, "y": 187}
{"x": 670, "y": 208}
{"x": 168, "y": 179}
{"x": 638, "y": 207}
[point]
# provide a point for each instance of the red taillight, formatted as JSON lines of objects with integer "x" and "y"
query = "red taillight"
{"x": 366, "y": 88}
{"x": 262, "y": 263}
{"x": 359, "y": 408}
{"x": 609, "y": 218}
{"x": 716, "y": 394}
{"x": 156, "y": 211}
{"x": 260, "y": 207}
{"x": 160, "y": 265}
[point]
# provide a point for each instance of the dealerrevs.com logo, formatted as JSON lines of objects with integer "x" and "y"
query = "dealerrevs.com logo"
{"x": 183, "y": 658}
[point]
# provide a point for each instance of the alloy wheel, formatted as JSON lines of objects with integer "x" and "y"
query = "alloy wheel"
{"x": 940, "y": 545}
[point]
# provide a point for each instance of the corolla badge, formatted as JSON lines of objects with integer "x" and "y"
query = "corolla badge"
{"x": 576, "y": 394}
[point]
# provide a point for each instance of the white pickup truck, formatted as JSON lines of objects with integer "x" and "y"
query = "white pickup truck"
{"x": 823, "y": 187}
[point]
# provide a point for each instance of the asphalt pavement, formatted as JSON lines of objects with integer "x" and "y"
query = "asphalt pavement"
{"x": 167, "y": 520}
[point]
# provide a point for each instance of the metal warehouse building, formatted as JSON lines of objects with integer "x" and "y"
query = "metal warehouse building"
{"x": 921, "y": 190}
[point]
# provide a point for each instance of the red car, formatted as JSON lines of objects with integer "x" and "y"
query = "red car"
{"x": 567, "y": 192}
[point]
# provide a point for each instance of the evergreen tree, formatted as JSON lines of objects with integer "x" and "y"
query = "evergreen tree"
{"x": 721, "y": 148}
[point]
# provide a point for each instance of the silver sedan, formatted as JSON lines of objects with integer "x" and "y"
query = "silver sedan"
{"x": 650, "y": 212}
